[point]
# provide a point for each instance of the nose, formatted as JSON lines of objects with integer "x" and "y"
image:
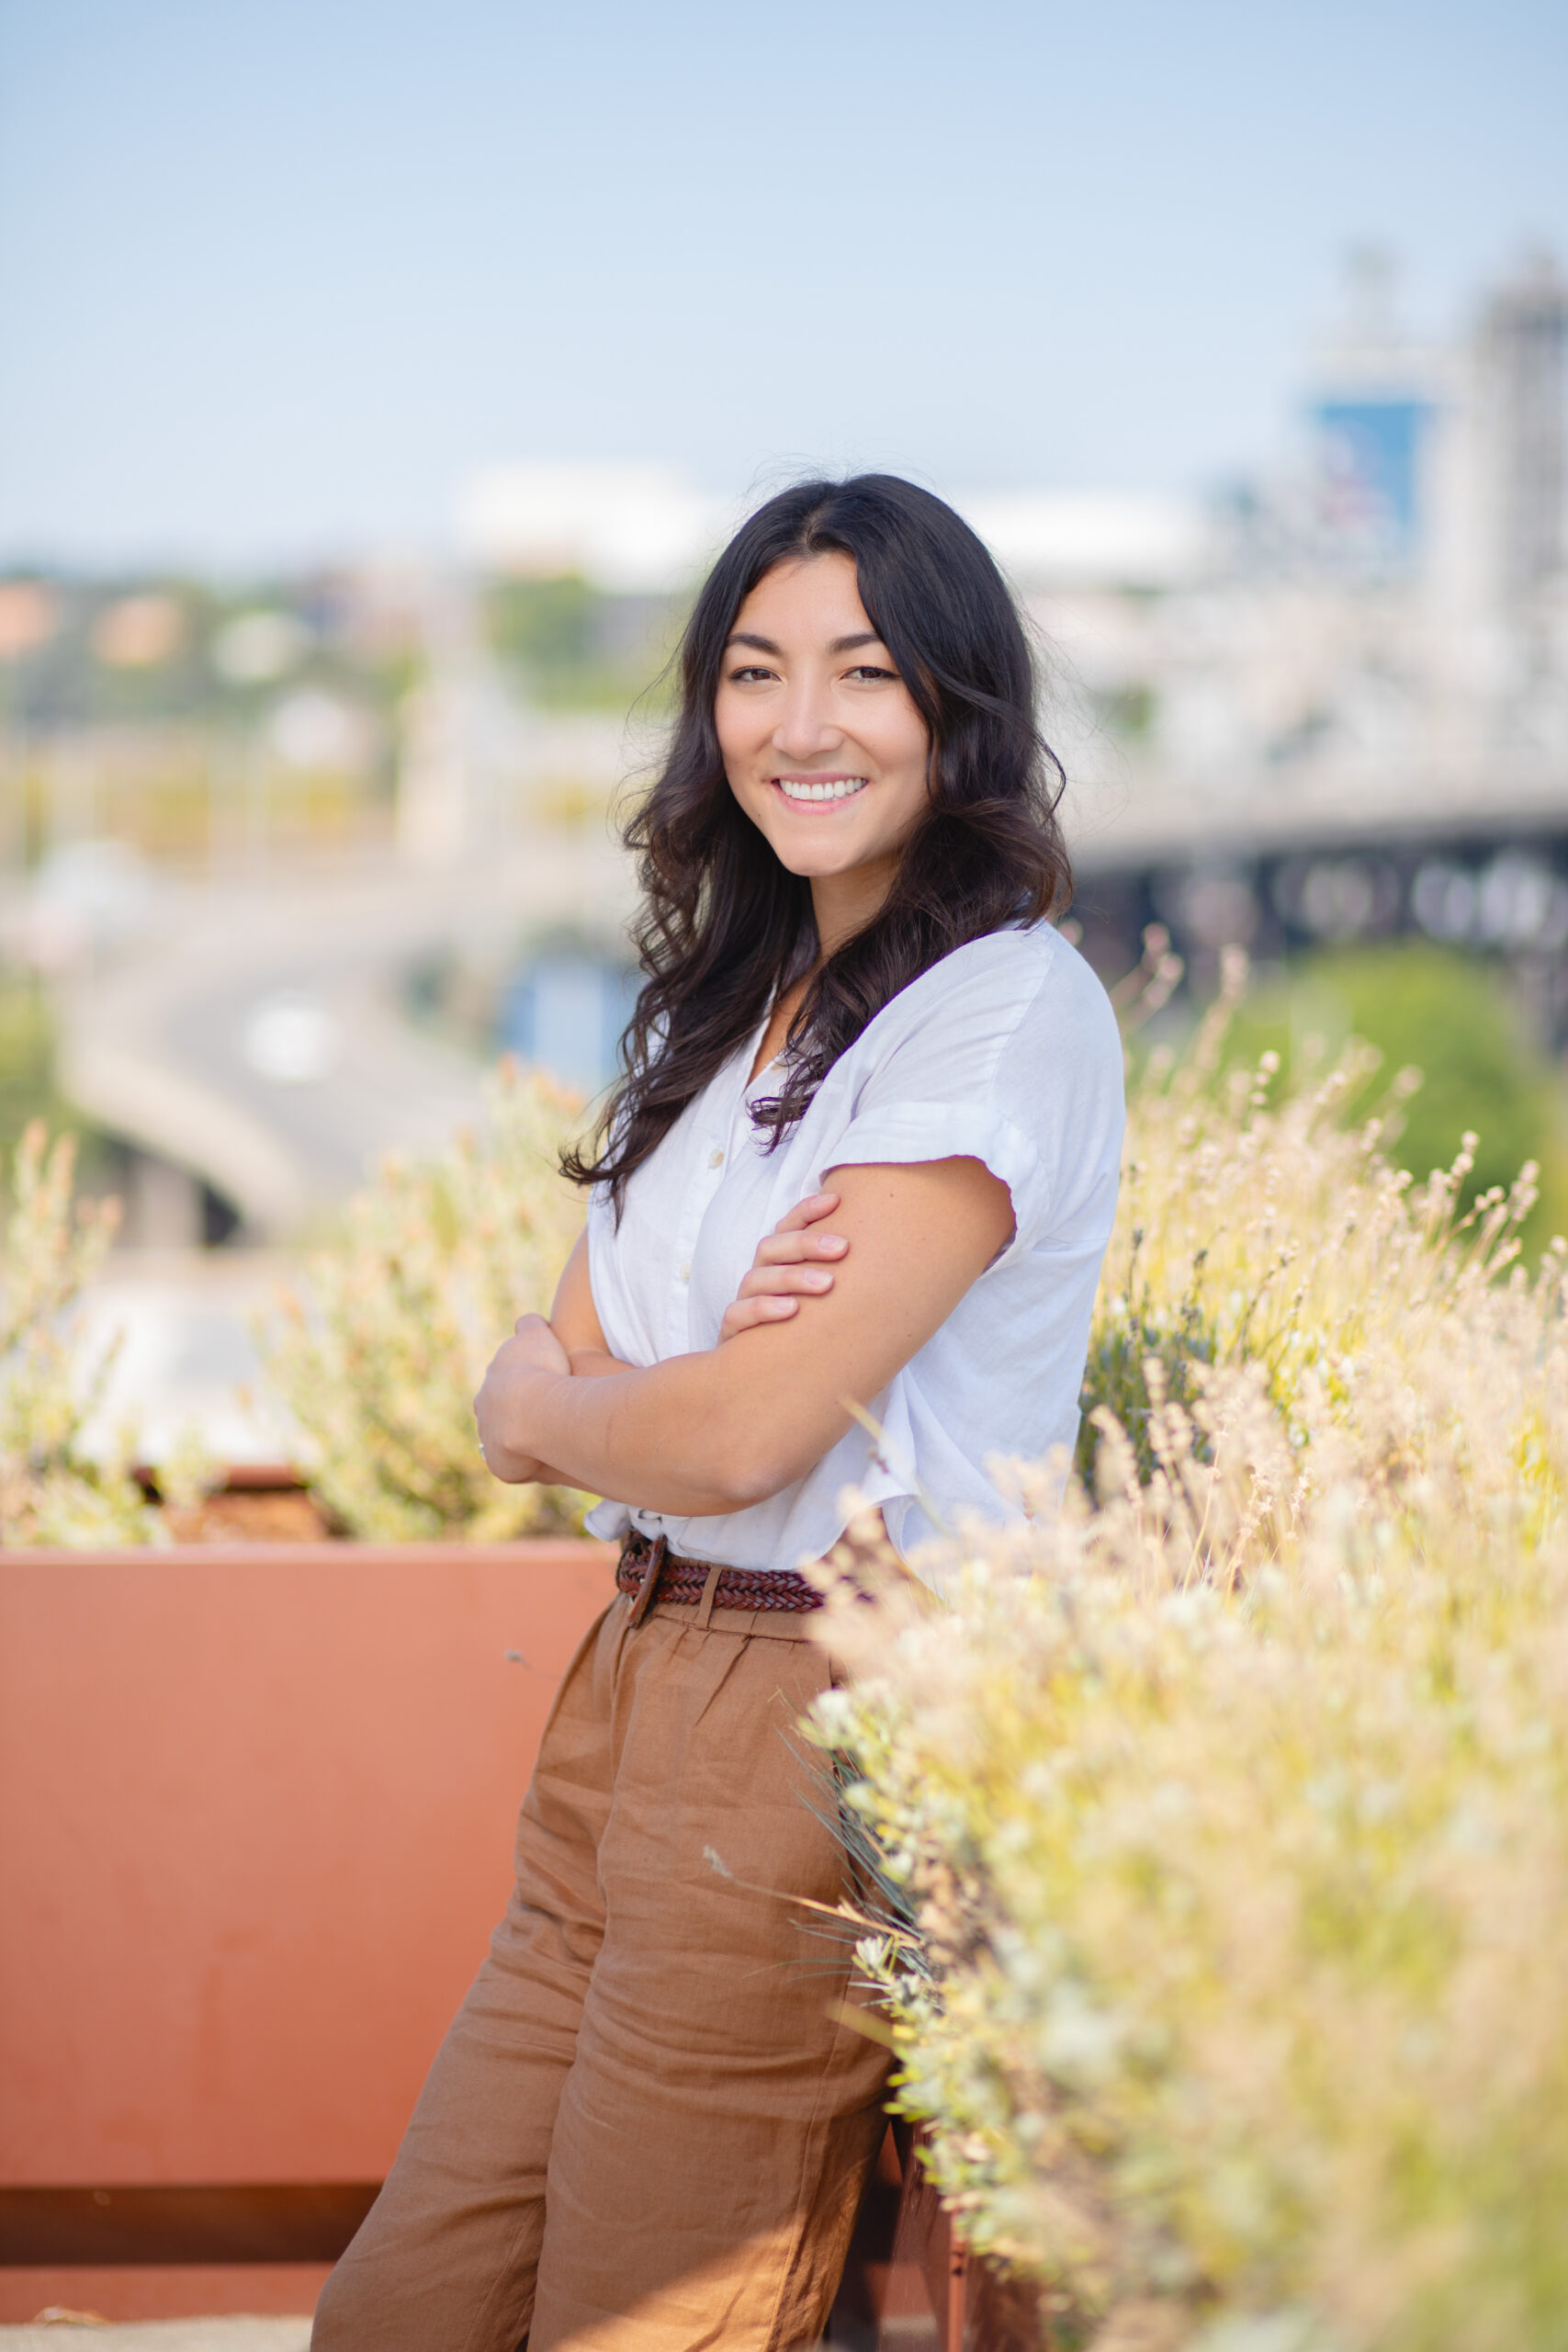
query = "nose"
{"x": 805, "y": 730}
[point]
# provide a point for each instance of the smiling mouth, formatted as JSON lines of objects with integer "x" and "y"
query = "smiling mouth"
{"x": 820, "y": 788}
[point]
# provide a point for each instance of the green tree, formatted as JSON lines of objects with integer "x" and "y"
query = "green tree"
{"x": 1451, "y": 1017}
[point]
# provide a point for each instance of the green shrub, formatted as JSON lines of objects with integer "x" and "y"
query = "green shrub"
{"x": 1451, "y": 1017}
{"x": 380, "y": 1356}
{"x": 50, "y": 1490}
{"x": 1225, "y": 1804}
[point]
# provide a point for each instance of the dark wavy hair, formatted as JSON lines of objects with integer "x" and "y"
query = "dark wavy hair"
{"x": 724, "y": 926}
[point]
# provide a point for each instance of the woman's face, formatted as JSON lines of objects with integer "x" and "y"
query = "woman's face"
{"x": 823, "y": 747}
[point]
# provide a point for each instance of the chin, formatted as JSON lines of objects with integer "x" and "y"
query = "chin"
{"x": 814, "y": 864}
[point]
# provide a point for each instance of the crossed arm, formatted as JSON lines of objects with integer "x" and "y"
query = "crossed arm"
{"x": 724, "y": 1428}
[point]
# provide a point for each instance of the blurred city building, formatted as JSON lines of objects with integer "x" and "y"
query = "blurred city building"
{"x": 282, "y": 860}
{"x": 1342, "y": 712}
{"x": 624, "y": 527}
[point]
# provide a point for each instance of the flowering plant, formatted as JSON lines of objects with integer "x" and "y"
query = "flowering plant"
{"x": 52, "y": 1489}
{"x": 380, "y": 1357}
{"x": 1223, "y": 1810}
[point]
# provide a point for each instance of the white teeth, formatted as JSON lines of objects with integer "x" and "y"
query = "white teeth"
{"x": 838, "y": 788}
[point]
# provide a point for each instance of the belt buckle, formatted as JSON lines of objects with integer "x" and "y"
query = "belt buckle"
{"x": 644, "y": 1601}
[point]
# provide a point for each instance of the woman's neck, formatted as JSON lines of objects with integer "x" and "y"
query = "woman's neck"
{"x": 841, "y": 904}
{"x": 844, "y": 903}
{"x": 785, "y": 1007}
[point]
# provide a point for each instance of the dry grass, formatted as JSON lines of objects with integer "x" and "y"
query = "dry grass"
{"x": 1227, "y": 1809}
{"x": 379, "y": 1355}
{"x": 52, "y": 1491}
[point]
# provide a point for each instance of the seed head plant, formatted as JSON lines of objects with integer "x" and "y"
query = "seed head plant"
{"x": 378, "y": 1354}
{"x": 52, "y": 1489}
{"x": 1222, "y": 1806}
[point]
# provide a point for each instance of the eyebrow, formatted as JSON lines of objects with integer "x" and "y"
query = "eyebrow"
{"x": 838, "y": 645}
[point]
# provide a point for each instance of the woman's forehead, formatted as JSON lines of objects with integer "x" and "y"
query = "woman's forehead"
{"x": 809, "y": 596}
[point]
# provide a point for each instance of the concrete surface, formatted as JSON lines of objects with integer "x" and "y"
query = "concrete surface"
{"x": 188, "y": 1358}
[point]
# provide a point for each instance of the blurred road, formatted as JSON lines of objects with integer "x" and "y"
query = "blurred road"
{"x": 255, "y": 1032}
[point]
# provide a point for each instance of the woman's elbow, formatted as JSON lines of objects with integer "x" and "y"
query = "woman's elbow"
{"x": 744, "y": 1470}
{"x": 742, "y": 1491}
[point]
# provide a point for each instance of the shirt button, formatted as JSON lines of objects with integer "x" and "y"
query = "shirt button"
{"x": 686, "y": 1273}
{"x": 715, "y": 1159}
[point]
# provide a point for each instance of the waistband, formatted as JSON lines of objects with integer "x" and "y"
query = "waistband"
{"x": 649, "y": 1572}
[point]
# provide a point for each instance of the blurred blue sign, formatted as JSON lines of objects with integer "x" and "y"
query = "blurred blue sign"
{"x": 566, "y": 1010}
{"x": 1370, "y": 473}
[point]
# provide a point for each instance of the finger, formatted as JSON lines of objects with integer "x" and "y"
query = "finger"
{"x": 794, "y": 1248}
{"x": 745, "y": 1314}
{"x": 784, "y": 1281}
{"x": 807, "y": 1212}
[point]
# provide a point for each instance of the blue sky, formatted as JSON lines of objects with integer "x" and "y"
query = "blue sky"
{"x": 275, "y": 275}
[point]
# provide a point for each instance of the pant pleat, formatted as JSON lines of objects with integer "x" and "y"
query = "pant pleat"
{"x": 648, "y": 2125}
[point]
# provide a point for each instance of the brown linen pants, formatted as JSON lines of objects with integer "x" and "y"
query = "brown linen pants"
{"x": 650, "y": 2124}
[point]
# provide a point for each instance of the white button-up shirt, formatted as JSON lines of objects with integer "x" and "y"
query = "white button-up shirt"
{"x": 1007, "y": 1052}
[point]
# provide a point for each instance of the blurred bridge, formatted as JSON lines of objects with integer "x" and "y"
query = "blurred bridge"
{"x": 257, "y": 1034}
{"x": 1473, "y": 851}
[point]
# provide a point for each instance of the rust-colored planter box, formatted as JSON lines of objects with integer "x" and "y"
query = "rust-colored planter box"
{"x": 934, "y": 2296}
{"x": 910, "y": 2286}
{"x": 256, "y": 1805}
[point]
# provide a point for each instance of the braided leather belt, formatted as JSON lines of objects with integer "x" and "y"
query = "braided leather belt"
{"x": 650, "y": 1570}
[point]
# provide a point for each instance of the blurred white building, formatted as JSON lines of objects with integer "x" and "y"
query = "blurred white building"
{"x": 1092, "y": 540}
{"x": 622, "y": 528}
{"x": 1376, "y": 634}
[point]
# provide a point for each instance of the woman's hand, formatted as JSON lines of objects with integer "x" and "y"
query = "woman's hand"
{"x": 721, "y": 1429}
{"x": 788, "y": 1267}
{"x": 523, "y": 1369}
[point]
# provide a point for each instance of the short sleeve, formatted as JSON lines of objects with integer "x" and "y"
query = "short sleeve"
{"x": 915, "y": 1131}
{"x": 1007, "y": 1053}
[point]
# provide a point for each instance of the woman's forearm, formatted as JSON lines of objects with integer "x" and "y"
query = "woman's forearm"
{"x": 551, "y": 1413}
{"x": 594, "y": 1364}
{"x": 673, "y": 1438}
{"x": 679, "y": 1436}
{"x": 587, "y": 1364}
{"x": 726, "y": 1428}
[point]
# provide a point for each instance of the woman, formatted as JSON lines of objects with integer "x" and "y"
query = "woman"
{"x": 651, "y": 2120}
